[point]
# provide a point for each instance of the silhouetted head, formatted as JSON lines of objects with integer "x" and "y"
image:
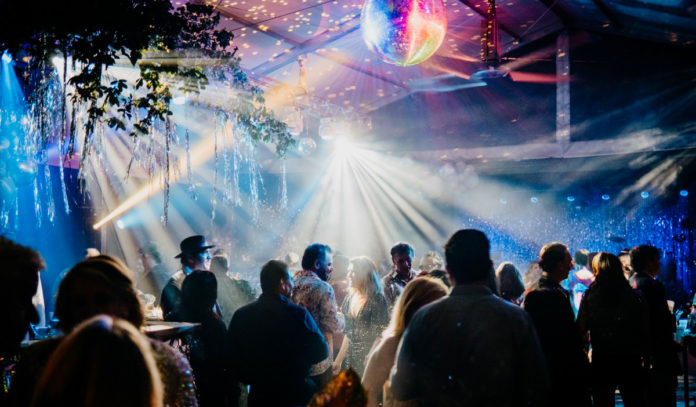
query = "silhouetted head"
{"x": 97, "y": 285}
{"x": 106, "y": 362}
{"x": 555, "y": 260}
{"x": 276, "y": 279}
{"x": 467, "y": 254}
{"x": 19, "y": 277}
{"x": 645, "y": 259}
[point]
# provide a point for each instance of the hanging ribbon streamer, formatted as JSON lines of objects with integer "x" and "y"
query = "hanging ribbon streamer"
{"x": 85, "y": 153}
{"x": 37, "y": 202}
{"x": 71, "y": 144}
{"x": 236, "y": 159}
{"x": 227, "y": 193}
{"x": 151, "y": 159}
{"x": 16, "y": 213}
{"x": 167, "y": 140}
{"x": 253, "y": 178}
{"x": 61, "y": 171}
{"x": 215, "y": 175}
{"x": 4, "y": 216}
{"x": 50, "y": 203}
{"x": 191, "y": 187}
{"x": 284, "y": 186}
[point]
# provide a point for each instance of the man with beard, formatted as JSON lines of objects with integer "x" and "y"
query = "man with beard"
{"x": 313, "y": 292}
{"x": 394, "y": 282}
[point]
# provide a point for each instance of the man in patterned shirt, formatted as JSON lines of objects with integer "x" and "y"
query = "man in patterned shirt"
{"x": 314, "y": 293}
{"x": 394, "y": 282}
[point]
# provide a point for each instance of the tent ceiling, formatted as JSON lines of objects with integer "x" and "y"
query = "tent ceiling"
{"x": 273, "y": 34}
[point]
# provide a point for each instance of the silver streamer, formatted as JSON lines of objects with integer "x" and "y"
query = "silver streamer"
{"x": 191, "y": 187}
{"x": 284, "y": 186}
{"x": 16, "y": 213}
{"x": 254, "y": 177}
{"x": 37, "y": 202}
{"x": 217, "y": 128}
{"x": 50, "y": 203}
{"x": 227, "y": 188}
{"x": 167, "y": 140}
{"x": 4, "y": 215}
{"x": 236, "y": 159}
{"x": 61, "y": 172}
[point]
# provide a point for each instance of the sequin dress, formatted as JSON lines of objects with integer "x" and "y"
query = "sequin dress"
{"x": 364, "y": 329}
{"x": 174, "y": 369}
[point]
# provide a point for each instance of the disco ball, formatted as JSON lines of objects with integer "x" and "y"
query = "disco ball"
{"x": 403, "y": 32}
{"x": 306, "y": 146}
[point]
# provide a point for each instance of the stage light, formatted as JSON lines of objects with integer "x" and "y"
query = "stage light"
{"x": 684, "y": 192}
{"x": 570, "y": 198}
{"x": 605, "y": 197}
{"x": 534, "y": 199}
{"x": 343, "y": 144}
{"x": 644, "y": 194}
{"x": 344, "y": 148}
{"x": 199, "y": 154}
{"x": 120, "y": 224}
{"x": 6, "y": 58}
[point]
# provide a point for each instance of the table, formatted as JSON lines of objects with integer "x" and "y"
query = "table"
{"x": 166, "y": 331}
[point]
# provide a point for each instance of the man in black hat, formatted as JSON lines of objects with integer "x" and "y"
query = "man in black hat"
{"x": 194, "y": 256}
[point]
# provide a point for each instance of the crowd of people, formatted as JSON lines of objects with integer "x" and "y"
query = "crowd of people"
{"x": 458, "y": 332}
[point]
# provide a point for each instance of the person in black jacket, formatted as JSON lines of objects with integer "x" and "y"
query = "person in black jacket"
{"x": 206, "y": 347}
{"x": 616, "y": 318}
{"x": 645, "y": 261}
{"x": 272, "y": 343}
{"x": 550, "y": 309}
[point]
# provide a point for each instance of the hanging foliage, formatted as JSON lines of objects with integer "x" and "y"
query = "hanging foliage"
{"x": 176, "y": 49}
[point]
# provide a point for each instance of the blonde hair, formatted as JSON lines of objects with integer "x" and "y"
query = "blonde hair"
{"x": 105, "y": 361}
{"x": 364, "y": 283}
{"x": 417, "y": 293}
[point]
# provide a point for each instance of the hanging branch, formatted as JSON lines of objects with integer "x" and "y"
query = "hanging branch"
{"x": 173, "y": 49}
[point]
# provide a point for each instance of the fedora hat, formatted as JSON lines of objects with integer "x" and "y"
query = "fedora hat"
{"x": 192, "y": 245}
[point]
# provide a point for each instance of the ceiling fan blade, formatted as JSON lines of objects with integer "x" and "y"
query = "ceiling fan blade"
{"x": 442, "y": 83}
{"x": 531, "y": 77}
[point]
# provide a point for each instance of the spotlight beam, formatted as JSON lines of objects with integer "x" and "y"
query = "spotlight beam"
{"x": 199, "y": 154}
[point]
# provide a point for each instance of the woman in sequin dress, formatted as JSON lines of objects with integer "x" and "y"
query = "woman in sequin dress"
{"x": 104, "y": 361}
{"x": 366, "y": 311}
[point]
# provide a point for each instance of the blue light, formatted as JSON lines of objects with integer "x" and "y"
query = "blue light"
{"x": 644, "y": 194}
{"x": 684, "y": 192}
{"x": 570, "y": 198}
{"x": 6, "y": 58}
{"x": 503, "y": 201}
{"x": 605, "y": 197}
{"x": 534, "y": 199}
